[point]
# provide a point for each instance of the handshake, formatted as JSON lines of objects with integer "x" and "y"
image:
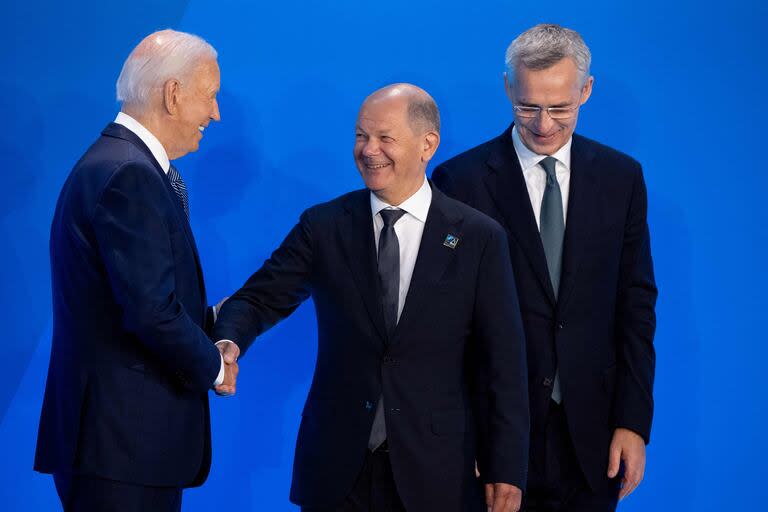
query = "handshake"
{"x": 230, "y": 352}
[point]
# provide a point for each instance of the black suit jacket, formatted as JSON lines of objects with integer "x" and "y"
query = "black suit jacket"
{"x": 461, "y": 301}
{"x": 600, "y": 330}
{"x": 126, "y": 395}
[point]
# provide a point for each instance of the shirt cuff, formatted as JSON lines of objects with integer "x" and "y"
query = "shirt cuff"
{"x": 220, "y": 378}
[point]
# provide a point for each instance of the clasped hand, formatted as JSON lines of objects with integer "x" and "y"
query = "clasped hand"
{"x": 230, "y": 352}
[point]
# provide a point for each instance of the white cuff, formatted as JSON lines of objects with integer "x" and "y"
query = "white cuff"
{"x": 220, "y": 377}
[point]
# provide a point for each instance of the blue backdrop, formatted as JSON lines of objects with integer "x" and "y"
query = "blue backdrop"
{"x": 678, "y": 85}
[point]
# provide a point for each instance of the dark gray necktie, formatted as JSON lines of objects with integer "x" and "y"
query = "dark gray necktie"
{"x": 179, "y": 187}
{"x": 389, "y": 279}
{"x": 552, "y": 231}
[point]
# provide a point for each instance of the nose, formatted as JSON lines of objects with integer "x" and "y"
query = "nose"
{"x": 215, "y": 115}
{"x": 544, "y": 121}
{"x": 371, "y": 147}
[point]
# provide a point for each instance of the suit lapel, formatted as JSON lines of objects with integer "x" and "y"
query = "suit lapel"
{"x": 582, "y": 214}
{"x": 432, "y": 259}
{"x": 506, "y": 186}
{"x": 355, "y": 232}
{"x": 121, "y": 132}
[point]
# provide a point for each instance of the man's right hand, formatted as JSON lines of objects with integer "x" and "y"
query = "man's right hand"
{"x": 503, "y": 497}
{"x": 230, "y": 352}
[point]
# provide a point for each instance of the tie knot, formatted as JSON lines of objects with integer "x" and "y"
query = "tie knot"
{"x": 549, "y": 166}
{"x": 391, "y": 216}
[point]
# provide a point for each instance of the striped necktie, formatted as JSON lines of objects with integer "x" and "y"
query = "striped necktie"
{"x": 179, "y": 187}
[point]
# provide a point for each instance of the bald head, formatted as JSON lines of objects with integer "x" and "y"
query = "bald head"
{"x": 159, "y": 57}
{"x": 423, "y": 115}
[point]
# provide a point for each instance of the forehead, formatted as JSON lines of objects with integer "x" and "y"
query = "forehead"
{"x": 389, "y": 114}
{"x": 206, "y": 74}
{"x": 558, "y": 81}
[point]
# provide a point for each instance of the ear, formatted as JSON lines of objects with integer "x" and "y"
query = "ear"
{"x": 507, "y": 87}
{"x": 430, "y": 142}
{"x": 586, "y": 91}
{"x": 171, "y": 90}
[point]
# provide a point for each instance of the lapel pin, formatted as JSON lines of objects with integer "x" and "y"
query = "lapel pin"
{"x": 451, "y": 241}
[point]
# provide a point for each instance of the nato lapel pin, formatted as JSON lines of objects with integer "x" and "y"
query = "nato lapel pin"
{"x": 451, "y": 241}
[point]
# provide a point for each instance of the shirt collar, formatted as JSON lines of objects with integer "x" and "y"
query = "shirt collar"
{"x": 154, "y": 145}
{"x": 529, "y": 159}
{"x": 417, "y": 205}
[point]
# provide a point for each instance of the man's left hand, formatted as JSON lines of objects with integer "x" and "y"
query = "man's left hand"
{"x": 629, "y": 448}
{"x": 503, "y": 497}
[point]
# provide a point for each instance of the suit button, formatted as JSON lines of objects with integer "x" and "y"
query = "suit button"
{"x": 560, "y": 325}
{"x": 395, "y": 410}
{"x": 389, "y": 360}
{"x": 547, "y": 382}
{"x": 368, "y": 405}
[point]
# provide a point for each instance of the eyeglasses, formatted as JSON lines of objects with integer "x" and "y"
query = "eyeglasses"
{"x": 527, "y": 112}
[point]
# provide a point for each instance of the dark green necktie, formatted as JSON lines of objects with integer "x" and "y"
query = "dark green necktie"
{"x": 552, "y": 231}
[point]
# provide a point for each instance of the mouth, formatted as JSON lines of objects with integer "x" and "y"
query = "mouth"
{"x": 373, "y": 166}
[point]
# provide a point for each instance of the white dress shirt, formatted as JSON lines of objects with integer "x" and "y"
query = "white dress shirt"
{"x": 408, "y": 229}
{"x": 536, "y": 177}
{"x": 158, "y": 151}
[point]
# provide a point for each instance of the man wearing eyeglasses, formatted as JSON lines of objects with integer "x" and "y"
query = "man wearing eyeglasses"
{"x": 575, "y": 213}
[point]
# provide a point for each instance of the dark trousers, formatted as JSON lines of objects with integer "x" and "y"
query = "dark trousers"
{"x": 90, "y": 494}
{"x": 374, "y": 490}
{"x": 555, "y": 480}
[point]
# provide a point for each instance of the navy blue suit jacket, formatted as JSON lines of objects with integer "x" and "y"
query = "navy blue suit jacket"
{"x": 131, "y": 364}
{"x": 461, "y": 304}
{"x": 599, "y": 332}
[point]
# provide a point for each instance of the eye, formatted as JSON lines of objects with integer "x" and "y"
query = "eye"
{"x": 387, "y": 138}
{"x": 360, "y": 136}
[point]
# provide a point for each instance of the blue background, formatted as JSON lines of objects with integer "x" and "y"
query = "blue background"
{"x": 678, "y": 85}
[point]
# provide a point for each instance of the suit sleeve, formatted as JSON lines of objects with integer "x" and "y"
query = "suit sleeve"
{"x": 272, "y": 293}
{"x": 134, "y": 242}
{"x": 498, "y": 327}
{"x": 636, "y": 320}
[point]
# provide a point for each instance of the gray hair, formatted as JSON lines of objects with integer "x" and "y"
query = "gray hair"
{"x": 160, "y": 57}
{"x": 545, "y": 45}
{"x": 423, "y": 113}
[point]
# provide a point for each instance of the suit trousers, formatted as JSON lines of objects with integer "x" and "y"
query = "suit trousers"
{"x": 555, "y": 480}
{"x": 374, "y": 490}
{"x": 80, "y": 493}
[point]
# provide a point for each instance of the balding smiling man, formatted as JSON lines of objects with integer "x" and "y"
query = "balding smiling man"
{"x": 125, "y": 421}
{"x": 406, "y": 283}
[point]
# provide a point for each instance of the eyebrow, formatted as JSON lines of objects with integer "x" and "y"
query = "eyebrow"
{"x": 562, "y": 104}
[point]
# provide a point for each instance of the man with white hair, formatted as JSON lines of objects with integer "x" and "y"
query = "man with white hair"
{"x": 125, "y": 423}
{"x": 575, "y": 215}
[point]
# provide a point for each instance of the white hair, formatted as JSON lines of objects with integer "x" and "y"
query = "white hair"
{"x": 160, "y": 57}
{"x": 545, "y": 45}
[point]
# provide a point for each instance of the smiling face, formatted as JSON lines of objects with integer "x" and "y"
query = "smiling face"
{"x": 195, "y": 106}
{"x": 391, "y": 157}
{"x": 557, "y": 86}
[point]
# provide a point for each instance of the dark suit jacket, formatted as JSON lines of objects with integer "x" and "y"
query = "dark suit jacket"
{"x": 460, "y": 301}
{"x": 131, "y": 365}
{"x": 600, "y": 330}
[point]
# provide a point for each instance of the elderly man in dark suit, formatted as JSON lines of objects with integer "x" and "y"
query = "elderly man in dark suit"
{"x": 575, "y": 213}
{"x": 125, "y": 422}
{"x": 407, "y": 285}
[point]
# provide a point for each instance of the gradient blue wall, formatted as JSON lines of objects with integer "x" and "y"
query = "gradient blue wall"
{"x": 679, "y": 85}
